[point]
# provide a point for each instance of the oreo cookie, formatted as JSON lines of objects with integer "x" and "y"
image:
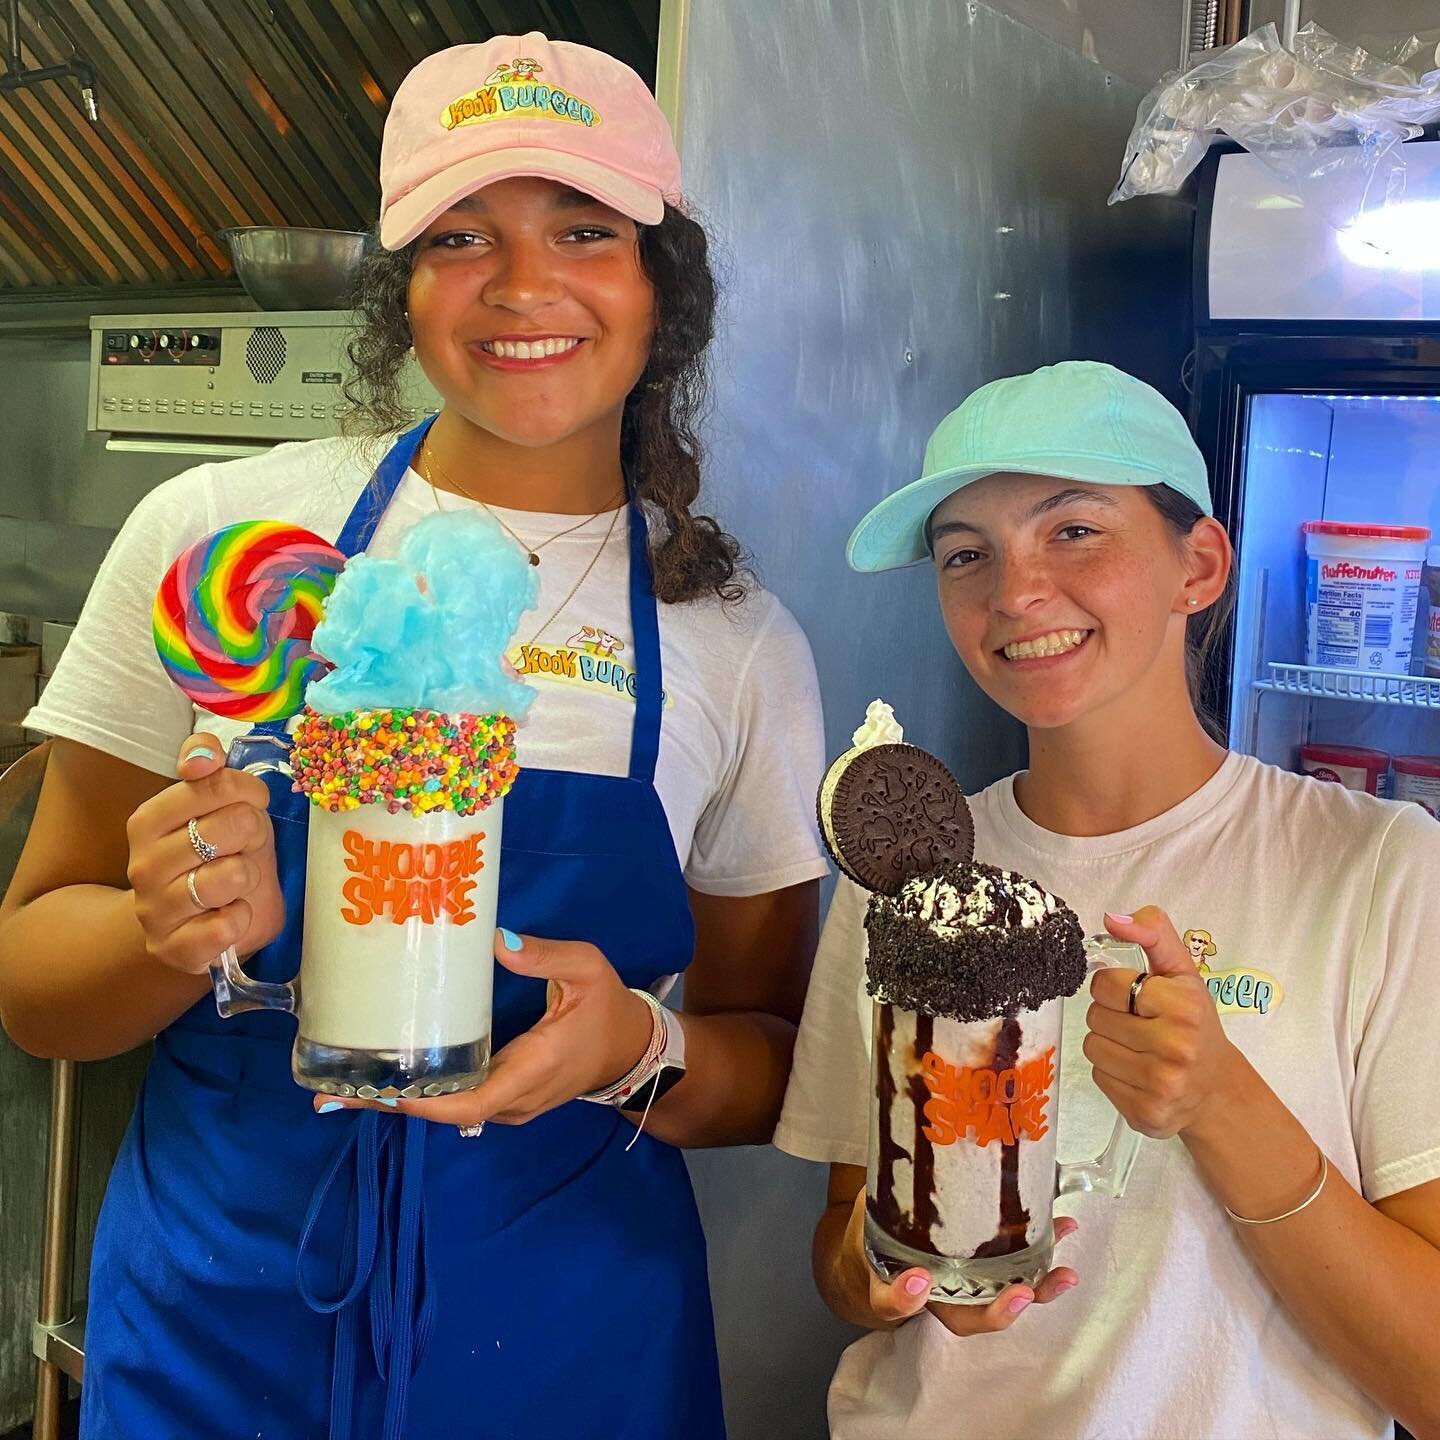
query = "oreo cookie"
{"x": 891, "y": 812}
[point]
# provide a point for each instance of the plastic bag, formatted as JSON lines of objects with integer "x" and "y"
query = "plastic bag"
{"x": 1327, "y": 118}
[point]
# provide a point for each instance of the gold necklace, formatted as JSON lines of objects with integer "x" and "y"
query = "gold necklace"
{"x": 429, "y": 467}
{"x": 575, "y": 588}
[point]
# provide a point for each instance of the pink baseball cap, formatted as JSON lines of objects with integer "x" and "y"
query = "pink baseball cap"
{"x": 522, "y": 105}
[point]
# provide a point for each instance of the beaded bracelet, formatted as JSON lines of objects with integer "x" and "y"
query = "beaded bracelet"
{"x": 645, "y": 1066}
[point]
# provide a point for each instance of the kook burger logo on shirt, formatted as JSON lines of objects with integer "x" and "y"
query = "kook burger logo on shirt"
{"x": 590, "y": 658}
{"x": 511, "y": 92}
{"x": 1239, "y": 991}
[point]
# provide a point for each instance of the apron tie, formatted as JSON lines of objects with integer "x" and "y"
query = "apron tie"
{"x": 384, "y": 1251}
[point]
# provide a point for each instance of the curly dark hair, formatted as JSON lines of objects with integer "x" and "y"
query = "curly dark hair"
{"x": 659, "y": 448}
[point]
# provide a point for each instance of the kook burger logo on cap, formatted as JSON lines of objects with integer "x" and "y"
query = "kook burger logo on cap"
{"x": 512, "y": 92}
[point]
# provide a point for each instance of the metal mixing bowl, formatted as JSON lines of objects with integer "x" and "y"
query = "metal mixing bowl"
{"x": 285, "y": 267}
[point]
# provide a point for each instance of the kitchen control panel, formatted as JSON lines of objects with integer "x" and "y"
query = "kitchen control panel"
{"x": 244, "y": 379}
{"x": 177, "y": 346}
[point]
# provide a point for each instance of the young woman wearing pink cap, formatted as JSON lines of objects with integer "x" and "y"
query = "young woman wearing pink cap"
{"x": 261, "y": 1269}
{"x": 1274, "y": 1266}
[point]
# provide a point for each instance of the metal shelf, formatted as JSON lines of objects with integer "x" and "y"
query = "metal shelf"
{"x": 1314, "y": 682}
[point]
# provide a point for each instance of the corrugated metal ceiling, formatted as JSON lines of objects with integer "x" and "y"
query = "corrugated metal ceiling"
{"x": 225, "y": 112}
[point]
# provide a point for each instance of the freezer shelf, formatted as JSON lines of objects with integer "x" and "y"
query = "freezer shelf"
{"x": 1317, "y": 682}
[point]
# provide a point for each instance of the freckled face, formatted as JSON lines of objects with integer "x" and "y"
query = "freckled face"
{"x": 1060, "y": 599}
{"x": 530, "y": 312}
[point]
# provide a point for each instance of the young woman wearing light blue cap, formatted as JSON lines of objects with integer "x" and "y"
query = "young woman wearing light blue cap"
{"x": 1274, "y": 1269}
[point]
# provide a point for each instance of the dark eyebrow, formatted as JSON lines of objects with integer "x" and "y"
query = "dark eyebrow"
{"x": 1044, "y": 507}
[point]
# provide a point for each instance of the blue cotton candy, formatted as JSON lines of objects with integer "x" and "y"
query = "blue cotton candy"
{"x": 428, "y": 628}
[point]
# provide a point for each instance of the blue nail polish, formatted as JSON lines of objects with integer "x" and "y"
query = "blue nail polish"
{"x": 383, "y": 1100}
{"x": 511, "y": 939}
{"x": 201, "y": 752}
{"x": 328, "y": 1106}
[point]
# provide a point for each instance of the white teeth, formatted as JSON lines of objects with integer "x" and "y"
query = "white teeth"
{"x": 1056, "y": 643}
{"x": 528, "y": 349}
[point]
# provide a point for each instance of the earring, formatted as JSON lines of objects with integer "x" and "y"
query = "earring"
{"x": 1192, "y": 601}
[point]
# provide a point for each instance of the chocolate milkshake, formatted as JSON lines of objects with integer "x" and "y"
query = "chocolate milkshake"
{"x": 967, "y": 967}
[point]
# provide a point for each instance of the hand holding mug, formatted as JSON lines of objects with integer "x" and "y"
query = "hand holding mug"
{"x": 892, "y": 1302}
{"x": 1162, "y": 1062}
{"x": 592, "y": 1032}
{"x": 191, "y": 908}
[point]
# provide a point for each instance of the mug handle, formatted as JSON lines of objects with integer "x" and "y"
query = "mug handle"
{"x": 1109, "y": 1172}
{"x": 235, "y": 991}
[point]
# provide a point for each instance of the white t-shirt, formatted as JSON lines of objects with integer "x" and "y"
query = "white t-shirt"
{"x": 741, "y": 741}
{"x": 1325, "y": 898}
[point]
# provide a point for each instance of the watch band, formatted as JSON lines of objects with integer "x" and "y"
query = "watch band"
{"x": 667, "y": 1072}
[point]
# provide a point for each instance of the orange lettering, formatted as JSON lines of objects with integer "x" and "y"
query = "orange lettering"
{"x": 986, "y": 1106}
{"x": 410, "y": 882}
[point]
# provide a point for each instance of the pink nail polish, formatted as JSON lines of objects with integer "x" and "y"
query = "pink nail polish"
{"x": 1018, "y": 1304}
{"x": 1120, "y": 919}
{"x": 917, "y": 1285}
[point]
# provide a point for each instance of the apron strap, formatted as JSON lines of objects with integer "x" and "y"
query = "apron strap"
{"x": 365, "y": 516}
{"x": 385, "y": 1252}
{"x": 645, "y": 622}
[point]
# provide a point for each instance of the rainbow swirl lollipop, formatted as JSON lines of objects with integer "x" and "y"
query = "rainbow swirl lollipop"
{"x": 234, "y": 615}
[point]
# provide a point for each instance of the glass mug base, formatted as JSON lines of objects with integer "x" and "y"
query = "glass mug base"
{"x": 409, "y": 1074}
{"x": 955, "y": 1281}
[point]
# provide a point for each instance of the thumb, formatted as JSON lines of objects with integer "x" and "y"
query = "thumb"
{"x": 202, "y": 754}
{"x": 547, "y": 959}
{"x": 1152, "y": 930}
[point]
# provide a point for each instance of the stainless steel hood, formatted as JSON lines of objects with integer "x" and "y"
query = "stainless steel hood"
{"x": 250, "y": 112}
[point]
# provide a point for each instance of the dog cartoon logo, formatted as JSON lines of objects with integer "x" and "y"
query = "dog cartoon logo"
{"x": 520, "y": 70}
{"x": 594, "y": 641}
{"x": 1201, "y": 946}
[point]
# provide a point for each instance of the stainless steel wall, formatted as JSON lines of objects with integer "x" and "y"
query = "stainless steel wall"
{"x": 909, "y": 201}
{"x": 1137, "y": 39}
{"x": 62, "y": 497}
{"x": 1356, "y": 20}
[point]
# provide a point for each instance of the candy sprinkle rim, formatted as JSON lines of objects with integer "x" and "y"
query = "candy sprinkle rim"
{"x": 420, "y": 761}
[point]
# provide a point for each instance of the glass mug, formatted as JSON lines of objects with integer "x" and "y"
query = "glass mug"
{"x": 963, "y": 1119}
{"x": 397, "y": 961}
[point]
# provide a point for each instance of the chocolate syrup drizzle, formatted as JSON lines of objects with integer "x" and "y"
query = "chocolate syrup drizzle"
{"x": 915, "y": 1227}
{"x": 883, "y": 1207}
{"x": 1014, "y": 1217}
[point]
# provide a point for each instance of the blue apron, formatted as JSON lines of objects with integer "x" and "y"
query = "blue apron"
{"x": 263, "y": 1271}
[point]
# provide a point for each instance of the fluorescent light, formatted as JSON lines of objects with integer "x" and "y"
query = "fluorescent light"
{"x": 1404, "y": 236}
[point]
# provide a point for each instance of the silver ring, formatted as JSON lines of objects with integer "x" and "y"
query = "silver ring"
{"x": 190, "y": 886}
{"x": 203, "y": 848}
{"x": 469, "y": 1132}
{"x": 1136, "y": 985}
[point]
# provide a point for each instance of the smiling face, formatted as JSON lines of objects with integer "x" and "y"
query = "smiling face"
{"x": 1065, "y": 602}
{"x": 530, "y": 312}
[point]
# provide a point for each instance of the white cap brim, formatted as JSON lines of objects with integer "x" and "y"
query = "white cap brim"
{"x": 409, "y": 216}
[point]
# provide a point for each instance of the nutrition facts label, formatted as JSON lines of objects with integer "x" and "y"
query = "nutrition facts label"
{"x": 1360, "y": 618}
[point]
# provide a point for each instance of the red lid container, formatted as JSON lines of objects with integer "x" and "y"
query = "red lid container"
{"x": 1356, "y": 755}
{"x": 1353, "y": 766}
{"x": 1368, "y": 532}
{"x": 1418, "y": 765}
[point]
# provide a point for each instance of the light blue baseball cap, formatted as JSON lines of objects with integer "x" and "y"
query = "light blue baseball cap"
{"x": 1079, "y": 420}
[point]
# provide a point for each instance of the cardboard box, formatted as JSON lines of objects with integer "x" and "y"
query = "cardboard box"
{"x": 19, "y": 676}
{"x": 54, "y": 636}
